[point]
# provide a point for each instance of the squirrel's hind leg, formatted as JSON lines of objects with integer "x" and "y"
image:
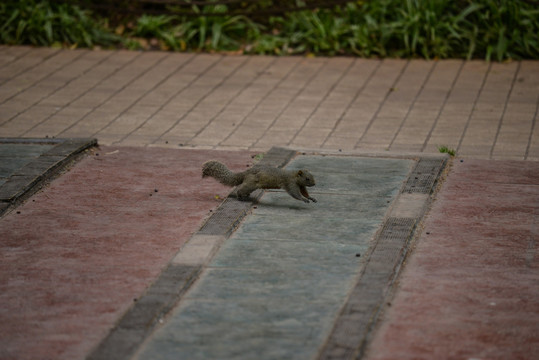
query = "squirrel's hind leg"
{"x": 244, "y": 190}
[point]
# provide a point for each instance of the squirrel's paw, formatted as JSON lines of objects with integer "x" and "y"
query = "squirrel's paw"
{"x": 312, "y": 199}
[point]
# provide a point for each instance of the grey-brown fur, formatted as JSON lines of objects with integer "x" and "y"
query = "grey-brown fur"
{"x": 294, "y": 182}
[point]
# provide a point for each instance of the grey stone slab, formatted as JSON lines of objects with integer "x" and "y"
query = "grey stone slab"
{"x": 364, "y": 176}
{"x": 15, "y": 156}
{"x": 3, "y": 206}
{"x": 344, "y": 206}
{"x": 331, "y": 257}
{"x": 24, "y": 163}
{"x": 70, "y": 146}
{"x": 329, "y": 228}
{"x": 10, "y": 166}
{"x": 39, "y": 166}
{"x": 15, "y": 187}
{"x": 355, "y": 165}
{"x": 266, "y": 329}
{"x": 23, "y": 150}
{"x": 267, "y": 284}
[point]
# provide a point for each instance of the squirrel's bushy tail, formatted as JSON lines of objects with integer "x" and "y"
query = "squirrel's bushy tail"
{"x": 221, "y": 173}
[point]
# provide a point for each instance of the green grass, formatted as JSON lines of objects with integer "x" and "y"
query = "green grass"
{"x": 446, "y": 150}
{"x": 51, "y": 24}
{"x": 434, "y": 29}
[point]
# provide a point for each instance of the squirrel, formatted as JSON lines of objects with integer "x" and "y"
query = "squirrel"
{"x": 261, "y": 177}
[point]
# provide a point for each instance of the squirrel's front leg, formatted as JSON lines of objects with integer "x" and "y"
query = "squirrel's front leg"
{"x": 304, "y": 192}
{"x": 295, "y": 192}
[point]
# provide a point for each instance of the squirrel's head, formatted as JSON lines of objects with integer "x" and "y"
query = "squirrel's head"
{"x": 305, "y": 178}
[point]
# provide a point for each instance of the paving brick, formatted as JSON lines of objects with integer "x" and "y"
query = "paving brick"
{"x": 26, "y": 62}
{"x": 16, "y": 86}
{"x": 430, "y": 100}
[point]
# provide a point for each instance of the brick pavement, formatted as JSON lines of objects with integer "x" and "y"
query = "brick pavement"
{"x": 76, "y": 256}
{"x": 469, "y": 291}
{"x": 156, "y": 99}
{"x": 484, "y": 110}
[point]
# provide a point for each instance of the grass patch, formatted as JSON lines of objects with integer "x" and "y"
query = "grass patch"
{"x": 47, "y": 23}
{"x": 489, "y": 29}
{"x": 446, "y": 150}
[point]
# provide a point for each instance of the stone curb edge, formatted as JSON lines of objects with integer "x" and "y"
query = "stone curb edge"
{"x": 27, "y": 180}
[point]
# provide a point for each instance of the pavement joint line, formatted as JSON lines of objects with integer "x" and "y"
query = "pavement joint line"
{"x": 502, "y": 115}
{"x": 381, "y": 105}
{"x": 156, "y": 86}
{"x": 412, "y": 104}
{"x": 323, "y": 99}
{"x": 27, "y": 180}
{"x": 243, "y": 89}
{"x": 44, "y": 59}
{"x": 54, "y": 92}
{"x": 442, "y": 107}
{"x": 291, "y": 100}
{"x": 99, "y": 83}
{"x": 257, "y": 106}
{"x": 352, "y": 101}
{"x": 202, "y": 98}
{"x": 15, "y": 59}
{"x": 172, "y": 97}
{"x": 530, "y": 137}
{"x": 474, "y": 108}
{"x": 20, "y": 91}
{"x": 157, "y": 63}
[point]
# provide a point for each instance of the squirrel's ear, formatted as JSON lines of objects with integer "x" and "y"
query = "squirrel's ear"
{"x": 300, "y": 172}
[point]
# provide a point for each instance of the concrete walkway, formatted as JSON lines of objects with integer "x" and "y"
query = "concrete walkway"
{"x": 485, "y": 110}
{"x": 115, "y": 259}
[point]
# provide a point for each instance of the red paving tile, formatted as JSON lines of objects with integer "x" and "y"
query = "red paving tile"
{"x": 76, "y": 255}
{"x": 471, "y": 287}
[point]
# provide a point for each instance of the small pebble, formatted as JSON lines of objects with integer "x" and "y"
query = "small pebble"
{"x": 358, "y": 255}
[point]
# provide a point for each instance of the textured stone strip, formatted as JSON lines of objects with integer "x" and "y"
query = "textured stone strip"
{"x": 27, "y": 179}
{"x": 358, "y": 317}
{"x": 424, "y": 175}
{"x": 147, "y": 312}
